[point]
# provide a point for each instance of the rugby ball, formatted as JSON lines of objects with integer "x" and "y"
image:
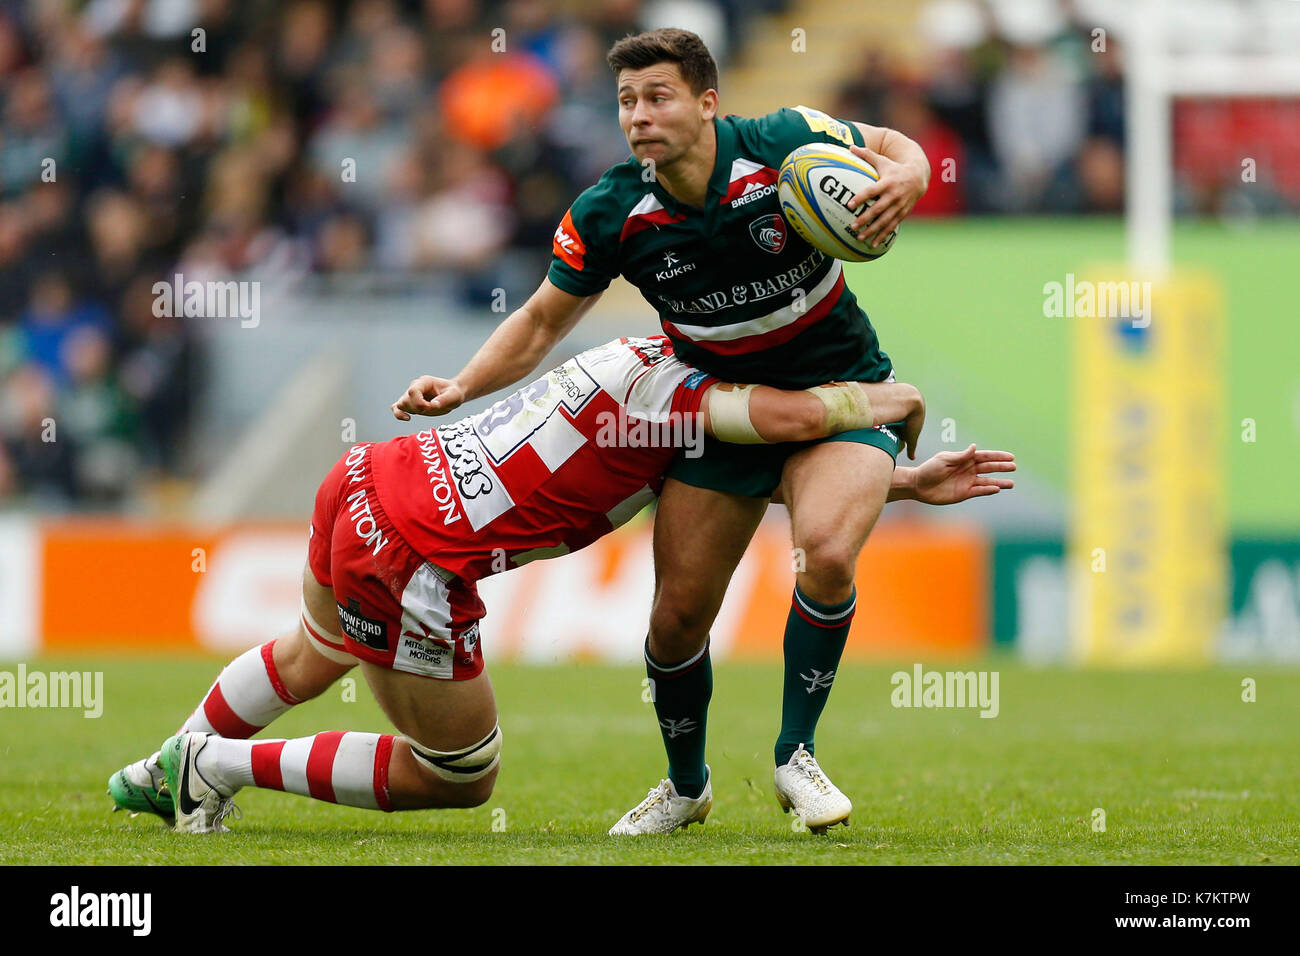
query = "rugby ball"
{"x": 814, "y": 186}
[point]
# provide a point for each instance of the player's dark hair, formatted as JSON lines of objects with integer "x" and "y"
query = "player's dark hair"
{"x": 667, "y": 45}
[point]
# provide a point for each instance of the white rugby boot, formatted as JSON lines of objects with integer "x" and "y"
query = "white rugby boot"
{"x": 200, "y": 805}
{"x": 803, "y": 787}
{"x": 664, "y": 810}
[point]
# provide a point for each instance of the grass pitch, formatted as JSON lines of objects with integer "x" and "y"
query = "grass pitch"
{"x": 1184, "y": 770}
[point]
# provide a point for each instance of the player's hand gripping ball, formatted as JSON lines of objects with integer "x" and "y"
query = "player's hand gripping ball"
{"x": 815, "y": 186}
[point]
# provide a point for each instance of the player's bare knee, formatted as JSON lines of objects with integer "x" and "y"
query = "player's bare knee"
{"x": 829, "y": 569}
{"x": 459, "y": 778}
{"x": 666, "y": 622}
{"x": 306, "y": 672}
{"x": 680, "y": 615}
{"x": 676, "y": 633}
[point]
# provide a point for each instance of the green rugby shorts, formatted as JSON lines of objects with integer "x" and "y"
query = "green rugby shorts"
{"x": 755, "y": 470}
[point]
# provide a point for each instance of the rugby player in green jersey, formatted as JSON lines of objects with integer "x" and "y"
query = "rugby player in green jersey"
{"x": 692, "y": 219}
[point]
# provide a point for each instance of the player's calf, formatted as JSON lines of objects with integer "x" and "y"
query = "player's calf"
{"x": 366, "y": 770}
{"x": 205, "y": 771}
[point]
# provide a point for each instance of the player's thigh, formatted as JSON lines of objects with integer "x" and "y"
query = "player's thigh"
{"x": 700, "y": 536}
{"x": 835, "y": 492}
{"x": 313, "y": 656}
{"x": 442, "y": 715}
{"x": 318, "y": 603}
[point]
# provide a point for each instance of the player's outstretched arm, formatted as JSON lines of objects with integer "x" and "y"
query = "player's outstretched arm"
{"x": 753, "y": 414}
{"x": 514, "y": 350}
{"x": 953, "y": 476}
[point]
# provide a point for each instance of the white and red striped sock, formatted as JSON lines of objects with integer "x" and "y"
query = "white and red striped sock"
{"x": 246, "y": 696}
{"x": 337, "y": 766}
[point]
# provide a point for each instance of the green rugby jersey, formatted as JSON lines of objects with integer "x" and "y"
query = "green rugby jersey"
{"x": 741, "y": 295}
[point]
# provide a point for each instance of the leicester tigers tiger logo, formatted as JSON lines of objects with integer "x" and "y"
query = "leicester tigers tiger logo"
{"x": 769, "y": 232}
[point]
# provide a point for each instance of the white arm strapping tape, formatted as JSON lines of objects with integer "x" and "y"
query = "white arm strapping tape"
{"x": 729, "y": 416}
{"x": 847, "y": 408}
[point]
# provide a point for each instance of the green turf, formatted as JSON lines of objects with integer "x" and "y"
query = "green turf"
{"x": 1185, "y": 771}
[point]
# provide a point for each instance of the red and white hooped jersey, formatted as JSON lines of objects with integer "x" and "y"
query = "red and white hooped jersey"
{"x": 548, "y": 469}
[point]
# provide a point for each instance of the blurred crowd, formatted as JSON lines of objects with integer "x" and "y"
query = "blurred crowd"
{"x": 215, "y": 138}
{"x": 1020, "y": 106}
{"x": 1017, "y": 114}
{"x": 337, "y": 139}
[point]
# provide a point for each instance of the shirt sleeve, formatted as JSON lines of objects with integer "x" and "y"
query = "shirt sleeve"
{"x": 669, "y": 387}
{"x": 582, "y": 262}
{"x": 775, "y": 136}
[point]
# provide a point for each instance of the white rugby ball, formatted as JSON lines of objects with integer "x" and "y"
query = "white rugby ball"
{"x": 815, "y": 186}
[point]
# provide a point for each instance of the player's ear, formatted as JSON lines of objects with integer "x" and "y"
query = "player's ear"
{"x": 708, "y": 104}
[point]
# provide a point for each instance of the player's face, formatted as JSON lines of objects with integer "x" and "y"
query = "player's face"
{"x": 660, "y": 116}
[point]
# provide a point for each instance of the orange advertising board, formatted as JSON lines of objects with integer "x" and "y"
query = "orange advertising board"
{"x": 115, "y": 585}
{"x": 922, "y": 591}
{"x": 107, "y": 585}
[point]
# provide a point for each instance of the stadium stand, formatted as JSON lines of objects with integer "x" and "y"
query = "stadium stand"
{"x": 144, "y": 138}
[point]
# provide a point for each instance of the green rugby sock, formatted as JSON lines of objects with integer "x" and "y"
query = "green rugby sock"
{"x": 815, "y": 635}
{"x": 681, "y": 694}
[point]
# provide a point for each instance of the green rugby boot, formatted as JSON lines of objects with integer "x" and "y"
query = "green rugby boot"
{"x": 136, "y": 789}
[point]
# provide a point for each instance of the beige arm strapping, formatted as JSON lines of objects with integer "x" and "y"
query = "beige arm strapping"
{"x": 847, "y": 408}
{"x": 729, "y": 416}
